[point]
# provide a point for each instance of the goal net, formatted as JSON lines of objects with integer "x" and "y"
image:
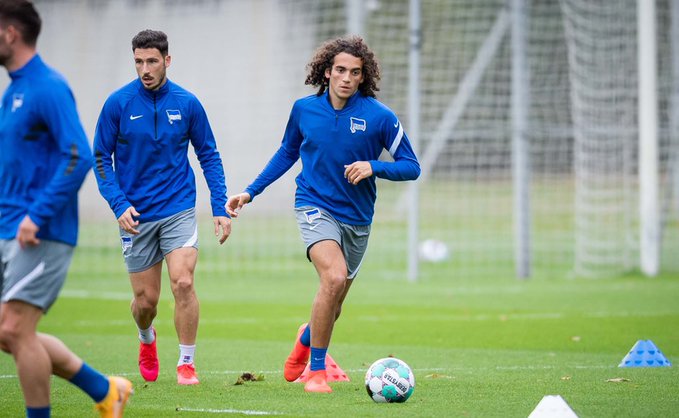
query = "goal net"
{"x": 246, "y": 63}
{"x": 582, "y": 128}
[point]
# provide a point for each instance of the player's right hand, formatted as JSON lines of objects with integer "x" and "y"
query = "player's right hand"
{"x": 26, "y": 233}
{"x": 236, "y": 203}
{"x": 127, "y": 222}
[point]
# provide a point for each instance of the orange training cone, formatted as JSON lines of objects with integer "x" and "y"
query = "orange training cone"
{"x": 333, "y": 371}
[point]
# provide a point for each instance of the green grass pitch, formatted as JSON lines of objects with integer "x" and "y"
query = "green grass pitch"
{"x": 479, "y": 348}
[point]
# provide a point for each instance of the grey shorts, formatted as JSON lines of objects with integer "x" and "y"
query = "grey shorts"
{"x": 156, "y": 239}
{"x": 34, "y": 274}
{"x": 317, "y": 225}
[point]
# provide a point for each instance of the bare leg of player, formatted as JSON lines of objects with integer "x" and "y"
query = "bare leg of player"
{"x": 181, "y": 264}
{"x": 331, "y": 267}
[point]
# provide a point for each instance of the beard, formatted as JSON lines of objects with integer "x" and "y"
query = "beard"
{"x": 157, "y": 85}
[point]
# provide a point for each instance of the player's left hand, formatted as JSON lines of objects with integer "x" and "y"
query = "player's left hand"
{"x": 26, "y": 233}
{"x": 223, "y": 223}
{"x": 357, "y": 171}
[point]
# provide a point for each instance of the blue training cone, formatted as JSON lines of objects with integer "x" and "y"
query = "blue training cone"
{"x": 645, "y": 354}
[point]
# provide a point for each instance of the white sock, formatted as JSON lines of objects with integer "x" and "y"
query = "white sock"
{"x": 186, "y": 353}
{"x": 147, "y": 336}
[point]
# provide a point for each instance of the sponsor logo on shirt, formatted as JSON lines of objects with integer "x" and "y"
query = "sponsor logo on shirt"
{"x": 17, "y": 101}
{"x": 357, "y": 124}
{"x": 173, "y": 115}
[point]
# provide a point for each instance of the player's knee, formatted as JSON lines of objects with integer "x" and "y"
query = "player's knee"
{"x": 9, "y": 335}
{"x": 182, "y": 286}
{"x": 145, "y": 303}
{"x": 333, "y": 284}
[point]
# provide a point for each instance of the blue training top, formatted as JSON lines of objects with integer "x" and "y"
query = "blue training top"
{"x": 148, "y": 134}
{"x": 326, "y": 140}
{"x": 44, "y": 154}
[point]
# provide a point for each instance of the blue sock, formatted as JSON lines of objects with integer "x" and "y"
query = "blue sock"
{"x": 318, "y": 358}
{"x": 91, "y": 382}
{"x": 43, "y": 412}
{"x": 305, "y": 338}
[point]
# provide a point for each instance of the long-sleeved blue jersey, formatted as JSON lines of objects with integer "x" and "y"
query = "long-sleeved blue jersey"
{"x": 44, "y": 154}
{"x": 148, "y": 133}
{"x": 326, "y": 140}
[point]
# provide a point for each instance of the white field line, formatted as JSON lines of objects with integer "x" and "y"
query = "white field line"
{"x": 419, "y": 370}
{"x": 156, "y": 321}
{"x": 470, "y": 318}
{"x": 229, "y": 411}
{"x": 98, "y": 295}
{"x": 458, "y": 318}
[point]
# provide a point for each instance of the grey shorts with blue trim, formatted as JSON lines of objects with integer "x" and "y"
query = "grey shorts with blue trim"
{"x": 34, "y": 274}
{"x": 317, "y": 225}
{"x": 158, "y": 238}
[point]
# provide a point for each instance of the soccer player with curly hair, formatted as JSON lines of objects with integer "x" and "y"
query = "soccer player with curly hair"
{"x": 339, "y": 134}
{"x": 143, "y": 171}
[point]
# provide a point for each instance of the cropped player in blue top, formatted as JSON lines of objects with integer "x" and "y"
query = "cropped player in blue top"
{"x": 339, "y": 134}
{"x": 44, "y": 159}
{"x": 143, "y": 171}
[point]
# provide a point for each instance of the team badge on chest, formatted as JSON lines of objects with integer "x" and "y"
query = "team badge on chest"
{"x": 173, "y": 115}
{"x": 357, "y": 124}
{"x": 17, "y": 101}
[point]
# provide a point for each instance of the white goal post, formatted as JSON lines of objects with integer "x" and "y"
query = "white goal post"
{"x": 526, "y": 115}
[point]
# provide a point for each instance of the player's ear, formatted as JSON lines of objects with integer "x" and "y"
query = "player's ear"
{"x": 168, "y": 60}
{"x": 11, "y": 34}
{"x": 327, "y": 73}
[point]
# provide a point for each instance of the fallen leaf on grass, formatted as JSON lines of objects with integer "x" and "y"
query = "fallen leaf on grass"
{"x": 249, "y": 377}
{"x": 618, "y": 380}
{"x": 566, "y": 378}
{"x": 437, "y": 376}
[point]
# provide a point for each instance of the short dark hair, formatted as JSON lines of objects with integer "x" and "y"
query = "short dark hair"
{"x": 324, "y": 58}
{"x": 22, "y": 15}
{"x": 148, "y": 39}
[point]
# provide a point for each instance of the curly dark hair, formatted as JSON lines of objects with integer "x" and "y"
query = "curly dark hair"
{"x": 324, "y": 58}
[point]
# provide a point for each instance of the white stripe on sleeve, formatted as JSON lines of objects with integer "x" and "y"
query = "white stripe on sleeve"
{"x": 397, "y": 140}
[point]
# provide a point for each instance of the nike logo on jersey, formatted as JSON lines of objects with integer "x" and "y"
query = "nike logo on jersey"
{"x": 133, "y": 117}
{"x": 396, "y": 124}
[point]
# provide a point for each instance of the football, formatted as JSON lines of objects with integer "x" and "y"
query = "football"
{"x": 389, "y": 380}
{"x": 433, "y": 251}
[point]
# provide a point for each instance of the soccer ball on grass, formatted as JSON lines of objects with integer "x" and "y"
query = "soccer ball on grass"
{"x": 389, "y": 380}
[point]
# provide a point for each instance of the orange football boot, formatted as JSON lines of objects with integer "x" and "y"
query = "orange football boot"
{"x": 318, "y": 382}
{"x": 298, "y": 358}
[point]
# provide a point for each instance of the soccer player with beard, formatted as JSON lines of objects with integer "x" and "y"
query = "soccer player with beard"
{"x": 44, "y": 159}
{"x": 143, "y": 171}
